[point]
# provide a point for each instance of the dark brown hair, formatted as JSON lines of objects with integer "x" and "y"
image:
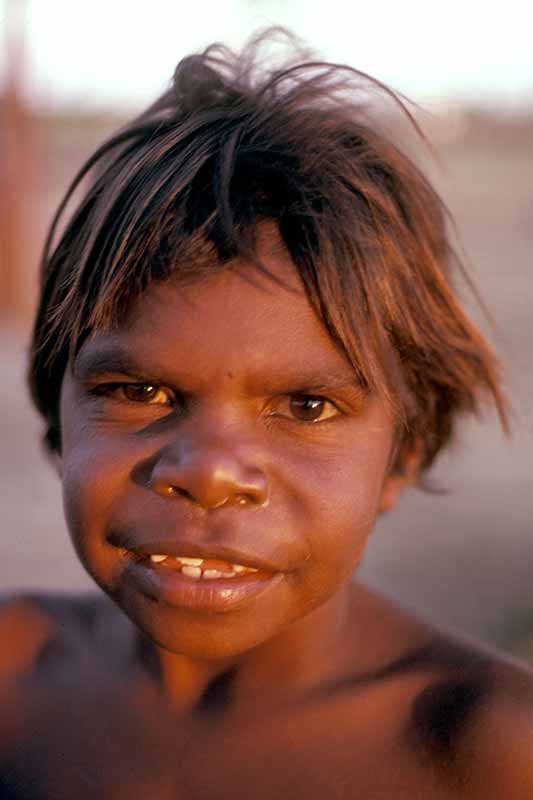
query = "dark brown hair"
{"x": 182, "y": 189}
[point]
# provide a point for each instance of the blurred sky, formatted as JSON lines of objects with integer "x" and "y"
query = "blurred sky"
{"x": 122, "y": 52}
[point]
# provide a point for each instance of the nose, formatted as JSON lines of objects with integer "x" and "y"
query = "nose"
{"x": 209, "y": 478}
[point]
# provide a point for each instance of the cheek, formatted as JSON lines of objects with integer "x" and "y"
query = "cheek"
{"x": 343, "y": 507}
{"x": 95, "y": 464}
{"x": 94, "y": 480}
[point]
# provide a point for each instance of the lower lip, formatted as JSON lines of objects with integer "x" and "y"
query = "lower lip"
{"x": 217, "y": 595}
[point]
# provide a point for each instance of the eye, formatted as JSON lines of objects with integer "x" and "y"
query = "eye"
{"x": 309, "y": 408}
{"x": 147, "y": 394}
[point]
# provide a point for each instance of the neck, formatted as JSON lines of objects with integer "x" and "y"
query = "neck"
{"x": 308, "y": 653}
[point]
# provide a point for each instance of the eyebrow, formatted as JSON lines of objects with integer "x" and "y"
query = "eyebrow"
{"x": 115, "y": 359}
{"x": 95, "y": 362}
{"x": 333, "y": 382}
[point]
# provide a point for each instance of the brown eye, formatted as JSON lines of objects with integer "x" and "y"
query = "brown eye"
{"x": 307, "y": 408}
{"x": 146, "y": 393}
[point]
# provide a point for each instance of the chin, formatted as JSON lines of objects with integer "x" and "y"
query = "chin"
{"x": 212, "y": 637}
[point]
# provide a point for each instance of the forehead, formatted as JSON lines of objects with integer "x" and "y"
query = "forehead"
{"x": 237, "y": 320}
{"x": 236, "y": 300}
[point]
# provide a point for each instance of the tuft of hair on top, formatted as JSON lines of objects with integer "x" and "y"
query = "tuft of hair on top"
{"x": 236, "y": 142}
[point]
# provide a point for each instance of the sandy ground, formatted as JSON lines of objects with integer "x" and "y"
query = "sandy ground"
{"x": 465, "y": 558}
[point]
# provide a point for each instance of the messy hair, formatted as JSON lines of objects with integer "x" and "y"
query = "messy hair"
{"x": 182, "y": 190}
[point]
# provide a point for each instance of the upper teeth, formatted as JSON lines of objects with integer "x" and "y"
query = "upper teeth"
{"x": 193, "y": 566}
{"x": 190, "y": 562}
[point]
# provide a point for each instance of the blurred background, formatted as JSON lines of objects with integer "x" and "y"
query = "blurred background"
{"x": 70, "y": 72}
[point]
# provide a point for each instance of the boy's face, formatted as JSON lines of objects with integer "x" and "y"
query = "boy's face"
{"x": 220, "y": 421}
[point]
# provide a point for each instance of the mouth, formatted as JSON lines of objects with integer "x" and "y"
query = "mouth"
{"x": 195, "y": 582}
{"x": 196, "y": 568}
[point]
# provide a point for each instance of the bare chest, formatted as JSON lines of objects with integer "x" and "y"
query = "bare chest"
{"x": 317, "y": 753}
{"x": 111, "y": 745}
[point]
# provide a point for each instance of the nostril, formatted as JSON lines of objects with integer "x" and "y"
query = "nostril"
{"x": 242, "y": 499}
{"x": 178, "y": 490}
{"x": 169, "y": 490}
{"x": 251, "y": 498}
{"x": 210, "y": 481}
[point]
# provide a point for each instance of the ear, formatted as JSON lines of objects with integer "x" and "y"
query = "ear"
{"x": 54, "y": 457}
{"x": 52, "y": 446}
{"x": 404, "y": 475}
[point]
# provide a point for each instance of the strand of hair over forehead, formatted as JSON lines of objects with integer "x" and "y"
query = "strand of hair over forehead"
{"x": 187, "y": 109}
{"x": 199, "y": 81}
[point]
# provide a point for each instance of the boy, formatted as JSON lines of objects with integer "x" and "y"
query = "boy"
{"x": 247, "y": 347}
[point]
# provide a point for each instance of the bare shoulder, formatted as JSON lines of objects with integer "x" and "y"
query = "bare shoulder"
{"x": 37, "y": 628}
{"x": 498, "y": 748}
{"x": 53, "y": 646}
{"x": 25, "y": 628}
{"x": 456, "y": 715}
{"x": 474, "y": 717}
{"x": 475, "y": 720}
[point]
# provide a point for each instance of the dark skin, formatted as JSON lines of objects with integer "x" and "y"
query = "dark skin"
{"x": 315, "y": 686}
